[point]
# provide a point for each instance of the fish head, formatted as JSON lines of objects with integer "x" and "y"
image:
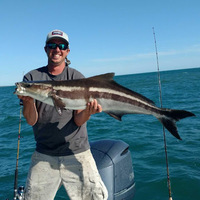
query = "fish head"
{"x": 32, "y": 89}
{"x": 22, "y": 88}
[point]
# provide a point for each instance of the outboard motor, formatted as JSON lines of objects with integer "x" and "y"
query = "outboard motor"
{"x": 113, "y": 160}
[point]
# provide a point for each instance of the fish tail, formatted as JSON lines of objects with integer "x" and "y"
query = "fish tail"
{"x": 171, "y": 117}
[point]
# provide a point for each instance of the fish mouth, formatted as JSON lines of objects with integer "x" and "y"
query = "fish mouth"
{"x": 18, "y": 89}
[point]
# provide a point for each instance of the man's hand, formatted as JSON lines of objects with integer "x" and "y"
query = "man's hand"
{"x": 26, "y": 99}
{"x": 93, "y": 107}
{"x": 81, "y": 116}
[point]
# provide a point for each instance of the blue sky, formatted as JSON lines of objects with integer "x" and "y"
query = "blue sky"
{"x": 105, "y": 35}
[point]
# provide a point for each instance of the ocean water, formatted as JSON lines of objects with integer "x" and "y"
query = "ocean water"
{"x": 180, "y": 90}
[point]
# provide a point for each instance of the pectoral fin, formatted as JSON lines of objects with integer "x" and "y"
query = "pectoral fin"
{"x": 58, "y": 103}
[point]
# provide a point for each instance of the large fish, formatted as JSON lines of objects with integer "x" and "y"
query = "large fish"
{"x": 115, "y": 99}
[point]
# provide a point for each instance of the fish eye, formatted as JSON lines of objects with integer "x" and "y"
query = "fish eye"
{"x": 26, "y": 85}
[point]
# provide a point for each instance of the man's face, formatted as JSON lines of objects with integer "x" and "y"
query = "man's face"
{"x": 56, "y": 56}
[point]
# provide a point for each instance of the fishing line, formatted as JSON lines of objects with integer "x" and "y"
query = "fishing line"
{"x": 165, "y": 143}
{"x": 17, "y": 160}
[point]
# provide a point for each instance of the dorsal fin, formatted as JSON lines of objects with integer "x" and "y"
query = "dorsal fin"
{"x": 107, "y": 77}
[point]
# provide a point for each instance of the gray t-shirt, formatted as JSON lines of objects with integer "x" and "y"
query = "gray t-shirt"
{"x": 57, "y": 135}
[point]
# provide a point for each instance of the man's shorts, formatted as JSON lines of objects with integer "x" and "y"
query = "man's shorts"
{"x": 77, "y": 173}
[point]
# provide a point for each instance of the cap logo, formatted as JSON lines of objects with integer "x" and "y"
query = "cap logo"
{"x": 57, "y": 33}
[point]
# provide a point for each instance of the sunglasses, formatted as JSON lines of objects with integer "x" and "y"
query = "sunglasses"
{"x": 60, "y": 46}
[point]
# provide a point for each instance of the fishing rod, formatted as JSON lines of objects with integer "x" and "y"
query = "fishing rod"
{"x": 160, "y": 94}
{"x": 18, "y": 192}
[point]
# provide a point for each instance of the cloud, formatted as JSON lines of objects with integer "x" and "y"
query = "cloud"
{"x": 124, "y": 58}
{"x": 175, "y": 52}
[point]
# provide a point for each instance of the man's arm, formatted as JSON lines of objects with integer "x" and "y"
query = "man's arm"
{"x": 81, "y": 116}
{"x": 29, "y": 110}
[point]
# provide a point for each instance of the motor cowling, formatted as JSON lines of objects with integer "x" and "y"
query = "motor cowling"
{"x": 113, "y": 160}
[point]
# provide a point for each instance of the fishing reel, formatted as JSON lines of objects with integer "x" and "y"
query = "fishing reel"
{"x": 19, "y": 194}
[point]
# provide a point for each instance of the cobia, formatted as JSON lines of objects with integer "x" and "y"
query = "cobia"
{"x": 115, "y": 99}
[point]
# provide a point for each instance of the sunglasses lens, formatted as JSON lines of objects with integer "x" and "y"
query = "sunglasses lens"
{"x": 52, "y": 45}
{"x": 62, "y": 46}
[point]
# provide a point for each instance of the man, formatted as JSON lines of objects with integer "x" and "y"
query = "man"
{"x": 62, "y": 155}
